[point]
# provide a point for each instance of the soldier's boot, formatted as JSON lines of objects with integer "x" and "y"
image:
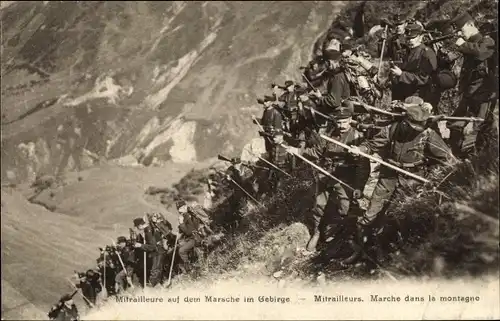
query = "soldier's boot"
{"x": 313, "y": 241}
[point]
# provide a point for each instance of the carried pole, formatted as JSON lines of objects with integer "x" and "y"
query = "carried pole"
{"x": 173, "y": 258}
{"x": 123, "y": 266}
{"x": 104, "y": 269}
{"x": 145, "y": 261}
{"x": 321, "y": 170}
{"x": 248, "y": 194}
{"x": 382, "y": 52}
{"x": 83, "y": 296}
{"x": 376, "y": 159}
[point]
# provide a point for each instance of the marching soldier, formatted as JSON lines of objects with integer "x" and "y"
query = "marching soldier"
{"x": 188, "y": 235}
{"x": 406, "y": 144}
{"x": 272, "y": 123}
{"x": 124, "y": 278}
{"x": 66, "y": 309}
{"x": 396, "y": 48}
{"x": 90, "y": 285}
{"x": 338, "y": 87}
{"x": 477, "y": 86}
{"x": 414, "y": 77}
{"x": 333, "y": 196}
{"x": 147, "y": 242}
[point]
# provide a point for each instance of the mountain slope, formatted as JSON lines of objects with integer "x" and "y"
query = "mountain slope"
{"x": 136, "y": 73}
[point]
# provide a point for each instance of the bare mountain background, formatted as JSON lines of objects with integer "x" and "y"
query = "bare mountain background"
{"x": 173, "y": 80}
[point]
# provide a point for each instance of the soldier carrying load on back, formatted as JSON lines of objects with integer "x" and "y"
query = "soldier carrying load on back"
{"x": 333, "y": 197}
{"x": 124, "y": 278}
{"x": 406, "y": 144}
{"x": 478, "y": 86}
{"x": 65, "y": 309}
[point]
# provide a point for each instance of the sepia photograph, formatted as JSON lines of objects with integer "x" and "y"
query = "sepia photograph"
{"x": 249, "y": 160}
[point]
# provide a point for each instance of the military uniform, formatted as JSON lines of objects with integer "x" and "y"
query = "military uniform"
{"x": 65, "y": 309}
{"x": 129, "y": 261}
{"x": 338, "y": 89}
{"x": 90, "y": 285}
{"x": 242, "y": 175}
{"x": 155, "y": 254}
{"x": 396, "y": 48}
{"x": 417, "y": 69}
{"x": 68, "y": 314}
{"x": 410, "y": 146}
{"x": 477, "y": 86}
{"x": 272, "y": 122}
{"x": 332, "y": 198}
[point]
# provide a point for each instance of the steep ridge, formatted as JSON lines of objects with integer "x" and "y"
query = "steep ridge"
{"x": 136, "y": 73}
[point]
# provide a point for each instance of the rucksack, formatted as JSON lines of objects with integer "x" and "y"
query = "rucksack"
{"x": 200, "y": 214}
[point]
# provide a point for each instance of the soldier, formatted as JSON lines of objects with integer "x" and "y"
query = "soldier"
{"x": 414, "y": 78}
{"x": 109, "y": 260}
{"x": 406, "y": 144}
{"x": 396, "y": 48}
{"x": 90, "y": 285}
{"x": 243, "y": 176}
{"x": 147, "y": 242}
{"x": 351, "y": 170}
{"x": 272, "y": 123}
{"x": 66, "y": 309}
{"x": 477, "y": 86}
{"x": 189, "y": 236}
{"x": 70, "y": 140}
{"x": 124, "y": 278}
{"x": 338, "y": 87}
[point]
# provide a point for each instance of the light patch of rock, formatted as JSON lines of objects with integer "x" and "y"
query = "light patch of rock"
{"x": 105, "y": 87}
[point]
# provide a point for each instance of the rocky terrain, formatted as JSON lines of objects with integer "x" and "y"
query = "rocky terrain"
{"x": 173, "y": 81}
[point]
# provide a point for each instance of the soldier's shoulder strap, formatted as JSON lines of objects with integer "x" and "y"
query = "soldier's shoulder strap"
{"x": 392, "y": 130}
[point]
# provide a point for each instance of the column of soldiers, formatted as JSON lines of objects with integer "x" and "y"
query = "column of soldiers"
{"x": 409, "y": 141}
{"x": 329, "y": 124}
{"x": 150, "y": 256}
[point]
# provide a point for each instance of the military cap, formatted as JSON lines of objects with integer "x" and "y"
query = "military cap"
{"x": 121, "y": 239}
{"x": 289, "y": 83}
{"x": 260, "y": 101}
{"x": 417, "y": 111}
{"x": 65, "y": 298}
{"x": 413, "y": 30}
{"x": 398, "y": 19}
{"x": 180, "y": 203}
{"x": 344, "y": 111}
{"x": 139, "y": 221}
{"x": 460, "y": 20}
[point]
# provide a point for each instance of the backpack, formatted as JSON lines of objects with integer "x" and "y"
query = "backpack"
{"x": 199, "y": 214}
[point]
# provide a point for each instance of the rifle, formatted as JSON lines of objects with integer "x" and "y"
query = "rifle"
{"x": 308, "y": 82}
{"x": 439, "y": 39}
{"x": 450, "y": 36}
{"x": 248, "y": 165}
